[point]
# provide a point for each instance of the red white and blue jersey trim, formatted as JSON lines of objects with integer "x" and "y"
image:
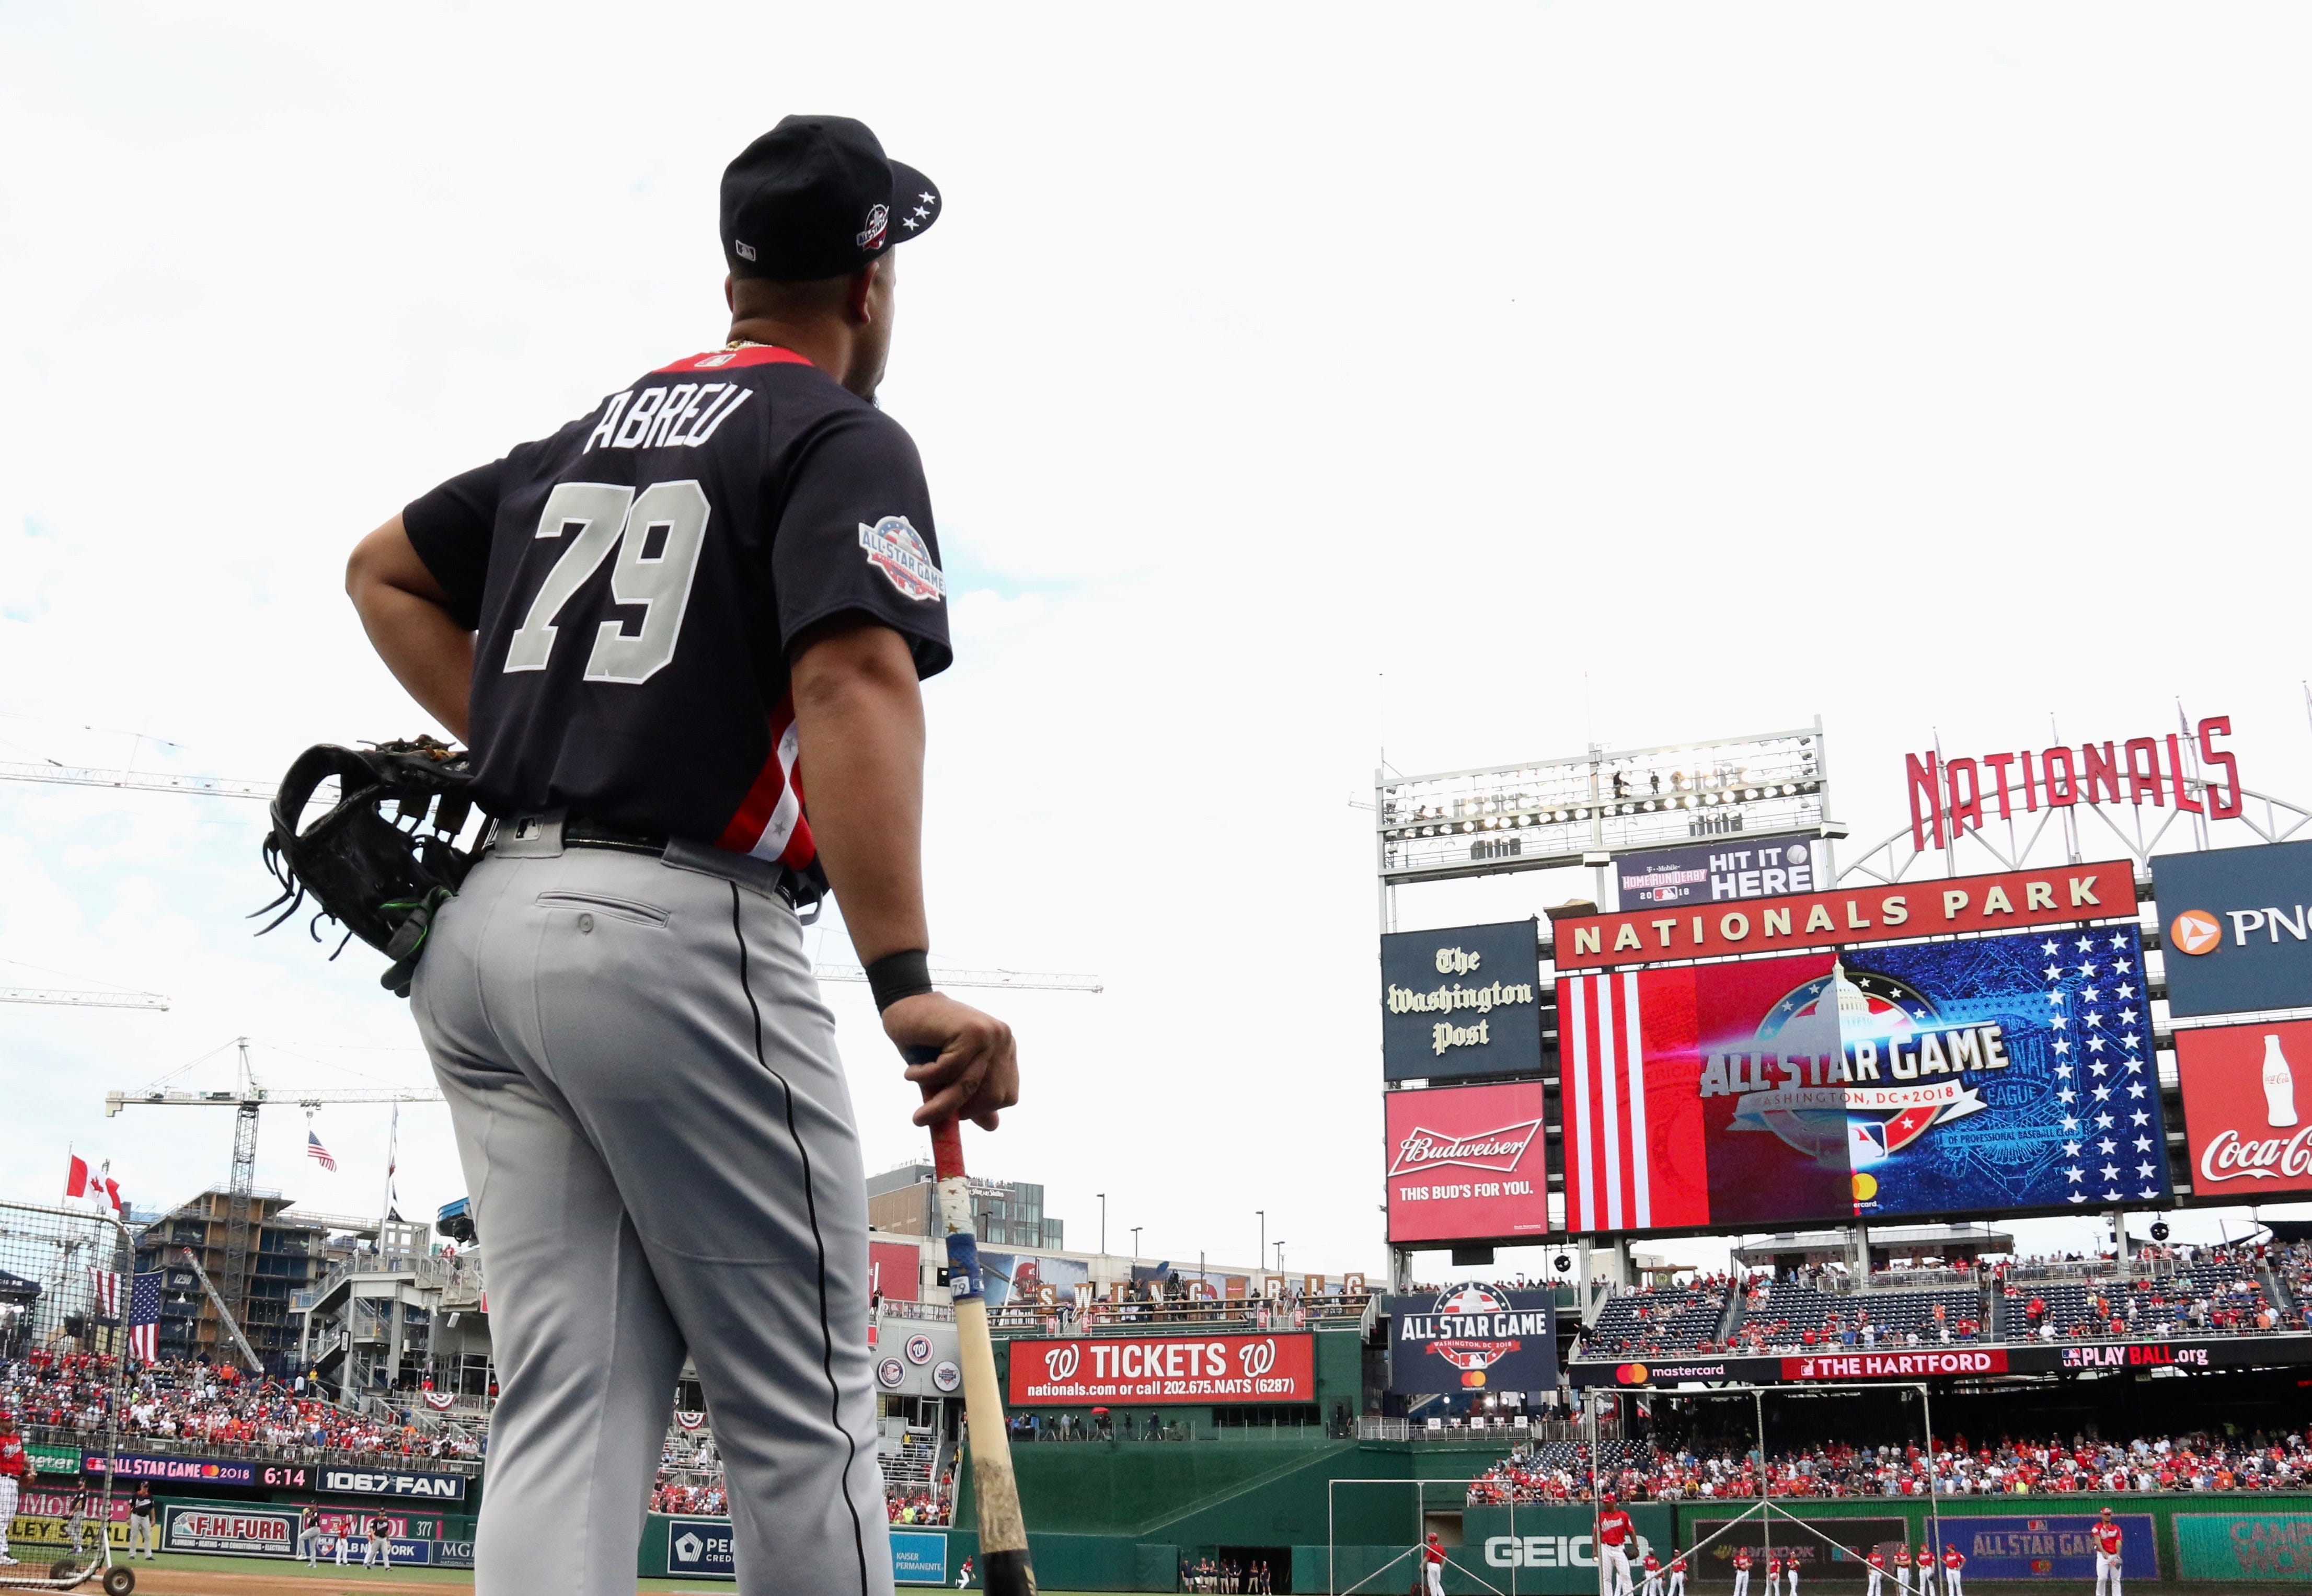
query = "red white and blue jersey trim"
{"x": 770, "y": 822}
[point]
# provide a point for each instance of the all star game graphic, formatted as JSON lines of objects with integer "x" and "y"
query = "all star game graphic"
{"x": 1992, "y": 1075}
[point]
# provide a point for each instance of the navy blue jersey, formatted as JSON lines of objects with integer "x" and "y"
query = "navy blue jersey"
{"x": 638, "y": 579}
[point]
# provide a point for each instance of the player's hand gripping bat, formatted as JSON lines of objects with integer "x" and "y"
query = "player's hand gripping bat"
{"x": 1003, "y": 1565}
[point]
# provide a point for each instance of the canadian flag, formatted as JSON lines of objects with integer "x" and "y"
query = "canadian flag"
{"x": 81, "y": 1181}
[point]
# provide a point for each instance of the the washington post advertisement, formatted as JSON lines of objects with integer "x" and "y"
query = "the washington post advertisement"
{"x": 2006, "y": 1072}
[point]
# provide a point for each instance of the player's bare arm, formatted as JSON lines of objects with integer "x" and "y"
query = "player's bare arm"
{"x": 860, "y": 713}
{"x": 408, "y": 617}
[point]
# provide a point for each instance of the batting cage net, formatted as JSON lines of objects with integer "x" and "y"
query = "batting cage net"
{"x": 73, "y": 1314}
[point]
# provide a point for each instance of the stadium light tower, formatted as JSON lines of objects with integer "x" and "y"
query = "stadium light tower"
{"x": 1135, "y": 1244}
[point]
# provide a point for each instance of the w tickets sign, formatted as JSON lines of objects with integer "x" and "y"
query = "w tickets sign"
{"x": 1142, "y": 1369}
{"x": 2009, "y": 1072}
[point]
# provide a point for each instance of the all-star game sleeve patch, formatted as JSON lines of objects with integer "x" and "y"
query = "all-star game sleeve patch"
{"x": 894, "y": 547}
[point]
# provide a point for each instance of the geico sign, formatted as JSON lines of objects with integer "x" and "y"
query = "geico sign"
{"x": 1547, "y": 1551}
{"x": 2226, "y": 1157}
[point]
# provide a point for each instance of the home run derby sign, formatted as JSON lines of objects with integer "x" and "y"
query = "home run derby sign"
{"x": 1471, "y": 1337}
{"x": 1144, "y": 1370}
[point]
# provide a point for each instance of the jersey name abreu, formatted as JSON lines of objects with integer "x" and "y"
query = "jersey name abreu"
{"x": 638, "y": 580}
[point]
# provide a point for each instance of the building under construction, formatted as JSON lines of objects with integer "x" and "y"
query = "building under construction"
{"x": 284, "y": 1252}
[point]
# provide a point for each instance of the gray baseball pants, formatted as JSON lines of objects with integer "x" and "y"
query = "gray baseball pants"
{"x": 658, "y": 1143}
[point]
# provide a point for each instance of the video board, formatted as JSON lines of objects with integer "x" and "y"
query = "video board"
{"x": 2004, "y": 1074}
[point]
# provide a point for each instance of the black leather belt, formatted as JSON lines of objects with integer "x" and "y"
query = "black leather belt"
{"x": 578, "y": 831}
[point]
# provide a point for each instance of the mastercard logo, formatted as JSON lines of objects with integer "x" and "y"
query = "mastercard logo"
{"x": 1865, "y": 1187}
{"x": 2195, "y": 932}
{"x": 1631, "y": 1373}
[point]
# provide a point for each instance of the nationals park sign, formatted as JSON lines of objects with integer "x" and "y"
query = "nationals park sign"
{"x": 1150, "y": 1370}
{"x": 2004, "y": 901}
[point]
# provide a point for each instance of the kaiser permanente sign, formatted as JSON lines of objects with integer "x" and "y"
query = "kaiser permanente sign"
{"x": 2005, "y": 901}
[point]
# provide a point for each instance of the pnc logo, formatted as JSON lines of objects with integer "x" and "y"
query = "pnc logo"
{"x": 1060, "y": 1364}
{"x": 2195, "y": 932}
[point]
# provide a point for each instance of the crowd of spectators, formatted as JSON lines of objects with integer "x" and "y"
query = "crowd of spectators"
{"x": 201, "y": 1405}
{"x": 2160, "y": 1290}
{"x": 2278, "y": 1460}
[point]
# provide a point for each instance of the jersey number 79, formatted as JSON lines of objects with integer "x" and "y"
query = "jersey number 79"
{"x": 658, "y": 534}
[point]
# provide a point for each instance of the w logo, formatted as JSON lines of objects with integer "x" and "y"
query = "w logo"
{"x": 1060, "y": 1364}
{"x": 1258, "y": 1357}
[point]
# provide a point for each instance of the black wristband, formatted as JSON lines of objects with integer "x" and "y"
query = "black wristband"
{"x": 896, "y": 976}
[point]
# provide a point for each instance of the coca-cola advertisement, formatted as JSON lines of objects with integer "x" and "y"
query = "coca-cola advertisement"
{"x": 2247, "y": 1116}
{"x": 1466, "y": 1164}
{"x": 1993, "y": 1075}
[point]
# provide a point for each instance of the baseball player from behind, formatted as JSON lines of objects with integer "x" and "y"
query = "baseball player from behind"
{"x": 650, "y": 628}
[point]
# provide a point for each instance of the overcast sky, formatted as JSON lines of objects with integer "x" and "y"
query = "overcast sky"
{"x": 1479, "y": 380}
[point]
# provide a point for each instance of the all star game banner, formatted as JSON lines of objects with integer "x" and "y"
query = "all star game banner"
{"x": 2002, "y": 1074}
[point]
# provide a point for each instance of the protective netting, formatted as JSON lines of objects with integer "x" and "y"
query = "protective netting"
{"x": 69, "y": 1307}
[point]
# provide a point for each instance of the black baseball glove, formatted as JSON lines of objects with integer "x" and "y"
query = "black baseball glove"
{"x": 382, "y": 859}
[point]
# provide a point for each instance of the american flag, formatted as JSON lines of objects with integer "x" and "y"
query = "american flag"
{"x": 143, "y": 1308}
{"x": 144, "y": 1317}
{"x": 319, "y": 1154}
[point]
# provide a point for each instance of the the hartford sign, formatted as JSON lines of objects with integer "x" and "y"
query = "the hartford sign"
{"x": 1952, "y": 797}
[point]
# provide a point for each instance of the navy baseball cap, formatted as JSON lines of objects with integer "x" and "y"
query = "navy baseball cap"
{"x": 817, "y": 197}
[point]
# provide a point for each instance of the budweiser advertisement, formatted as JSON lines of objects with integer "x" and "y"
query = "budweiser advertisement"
{"x": 2062, "y": 896}
{"x": 1142, "y": 1370}
{"x": 2247, "y": 1116}
{"x": 1997, "y": 1074}
{"x": 1465, "y": 1163}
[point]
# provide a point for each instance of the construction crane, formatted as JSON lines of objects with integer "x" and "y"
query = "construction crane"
{"x": 246, "y": 1098}
{"x": 136, "y": 781}
{"x": 76, "y": 998}
{"x": 1017, "y": 980}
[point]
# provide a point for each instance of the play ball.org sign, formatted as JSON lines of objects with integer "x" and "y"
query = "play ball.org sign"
{"x": 700, "y": 1546}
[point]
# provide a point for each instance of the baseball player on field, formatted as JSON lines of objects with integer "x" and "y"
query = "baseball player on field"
{"x": 378, "y": 1552}
{"x": 1616, "y": 1534}
{"x": 15, "y": 1471}
{"x": 2108, "y": 1538}
{"x": 1651, "y": 1584}
{"x": 1676, "y": 1572}
{"x": 657, "y": 629}
{"x": 1877, "y": 1564}
{"x": 1741, "y": 1571}
{"x": 1433, "y": 1566}
{"x": 963, "y": 1574}
{"x": 309, "y": 1536}
{"x": 1925, "y": 1563}
{"x": 1954, "y": 1560}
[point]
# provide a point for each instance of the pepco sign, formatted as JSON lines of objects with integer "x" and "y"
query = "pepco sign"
{"x": 2237, "y": 927}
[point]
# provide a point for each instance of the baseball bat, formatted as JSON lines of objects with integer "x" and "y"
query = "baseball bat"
{"x": 1005, "y": 1567}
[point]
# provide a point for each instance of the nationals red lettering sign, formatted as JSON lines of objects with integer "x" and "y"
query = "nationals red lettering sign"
{"x": 2245, "y": 1109}
{"x": 1465, "y": 1163}
{"x": 1896, "y": 1365}
{"x": 2000, "y": 902}
{"x": 1155, "y": 1369}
